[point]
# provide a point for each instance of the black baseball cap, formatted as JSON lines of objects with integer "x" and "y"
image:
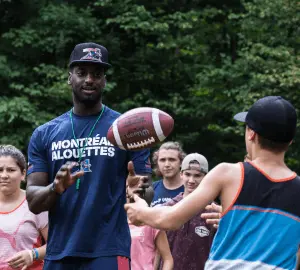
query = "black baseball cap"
{"x": 89, "y": 53}
{"x": 271, "y": 117}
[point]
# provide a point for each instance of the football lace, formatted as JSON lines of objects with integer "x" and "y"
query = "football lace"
{"x": 140, "y": 144}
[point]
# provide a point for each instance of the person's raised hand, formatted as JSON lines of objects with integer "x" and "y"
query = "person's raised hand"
{"x": 136, "y": 184}
{"x": 65, "y": 178}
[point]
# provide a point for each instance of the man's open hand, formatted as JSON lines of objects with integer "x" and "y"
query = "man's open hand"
{"x": 136, "y": 184}
{"x": 65, "y": 178}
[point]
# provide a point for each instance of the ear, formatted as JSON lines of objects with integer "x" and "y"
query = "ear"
{"x": 24, "y": 176}
{"x": 250, "y": 133}
{"x": 251, "y": 136}
{"x": 104, "y": 81}
{"x": 69, "y": 78}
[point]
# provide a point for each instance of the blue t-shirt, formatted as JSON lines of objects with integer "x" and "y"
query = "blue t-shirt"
{"x": 162, "y": 194}
{"x": 89, "y": 222}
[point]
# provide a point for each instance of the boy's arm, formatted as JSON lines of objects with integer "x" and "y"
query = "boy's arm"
{"x": 172, "y": 218}
{"x": 157, "y": 261}
{"x": 163, "y": 248}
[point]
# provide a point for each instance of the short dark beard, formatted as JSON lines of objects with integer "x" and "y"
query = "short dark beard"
{"x": 87, "y": 102}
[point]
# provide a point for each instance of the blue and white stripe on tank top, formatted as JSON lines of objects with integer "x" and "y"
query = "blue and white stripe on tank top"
{"x": 261, "y": 230}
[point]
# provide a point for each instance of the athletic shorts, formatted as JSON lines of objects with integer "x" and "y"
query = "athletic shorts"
{"x": 100, "y": 263}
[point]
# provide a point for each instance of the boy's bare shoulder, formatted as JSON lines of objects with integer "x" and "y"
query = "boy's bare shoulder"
{"x": 228, "y": 167}
{"x": 229, "y": 171}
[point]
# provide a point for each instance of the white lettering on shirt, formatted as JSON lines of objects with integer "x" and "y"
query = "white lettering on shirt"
{"x": 96, "y": 146}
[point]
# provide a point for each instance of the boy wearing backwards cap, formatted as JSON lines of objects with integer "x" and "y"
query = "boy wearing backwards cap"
{"x": 260, "y": 225}
{"x": 191, "y": 243}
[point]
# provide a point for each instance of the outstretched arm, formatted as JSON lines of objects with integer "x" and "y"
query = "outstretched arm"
{"x": 172, "y": 218}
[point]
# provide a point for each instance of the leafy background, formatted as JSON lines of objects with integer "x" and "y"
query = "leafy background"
{"x": 201, "y": 61}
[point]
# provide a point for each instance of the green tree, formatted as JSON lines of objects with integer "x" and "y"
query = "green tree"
{"x": 200, "y": 61}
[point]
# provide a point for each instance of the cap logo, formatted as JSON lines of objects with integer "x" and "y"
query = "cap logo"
{"x": 92, "y": 54}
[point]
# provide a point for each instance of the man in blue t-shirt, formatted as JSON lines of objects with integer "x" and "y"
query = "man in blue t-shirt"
{"x": 167, "y": 161}
{"x": 77, "y": 175}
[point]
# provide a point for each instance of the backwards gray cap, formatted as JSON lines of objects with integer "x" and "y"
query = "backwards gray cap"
{"x": 185, "y": 165}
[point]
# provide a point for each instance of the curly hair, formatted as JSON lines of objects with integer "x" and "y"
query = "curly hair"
{"x": 167, "y": 146}
{"x": 15, "y": 153}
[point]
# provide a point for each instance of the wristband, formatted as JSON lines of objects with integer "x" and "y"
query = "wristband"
{"x": 36, "y": 254}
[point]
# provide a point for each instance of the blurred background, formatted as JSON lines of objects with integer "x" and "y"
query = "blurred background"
{"x": 201, "y": 61}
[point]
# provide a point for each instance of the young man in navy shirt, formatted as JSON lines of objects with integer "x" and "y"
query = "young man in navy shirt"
{"x": 167, "y": 161}
{"x": 77, "y": 175}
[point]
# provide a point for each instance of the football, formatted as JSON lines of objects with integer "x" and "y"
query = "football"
{"x": 140, "y": 128}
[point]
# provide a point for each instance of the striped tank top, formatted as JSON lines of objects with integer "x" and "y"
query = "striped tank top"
{"x": 261, "y": 230}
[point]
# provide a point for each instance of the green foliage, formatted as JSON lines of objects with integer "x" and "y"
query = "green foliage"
{"x": 200, "y": 61}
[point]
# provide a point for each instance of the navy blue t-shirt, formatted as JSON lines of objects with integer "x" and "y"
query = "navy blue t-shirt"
{"x": 162, "y": 194}
{"x": 89, "y": 222}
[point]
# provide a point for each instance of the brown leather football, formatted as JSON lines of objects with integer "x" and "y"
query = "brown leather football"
{"x": 140, "y": 128}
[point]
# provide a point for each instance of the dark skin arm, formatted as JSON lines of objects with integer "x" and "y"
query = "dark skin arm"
{"x": 39, "y": 195}
{"x": 41, "y": 198}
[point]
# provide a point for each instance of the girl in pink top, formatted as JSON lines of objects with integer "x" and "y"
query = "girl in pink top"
{"x": 145, "y": 242}
{"x": 21, "y": 231}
